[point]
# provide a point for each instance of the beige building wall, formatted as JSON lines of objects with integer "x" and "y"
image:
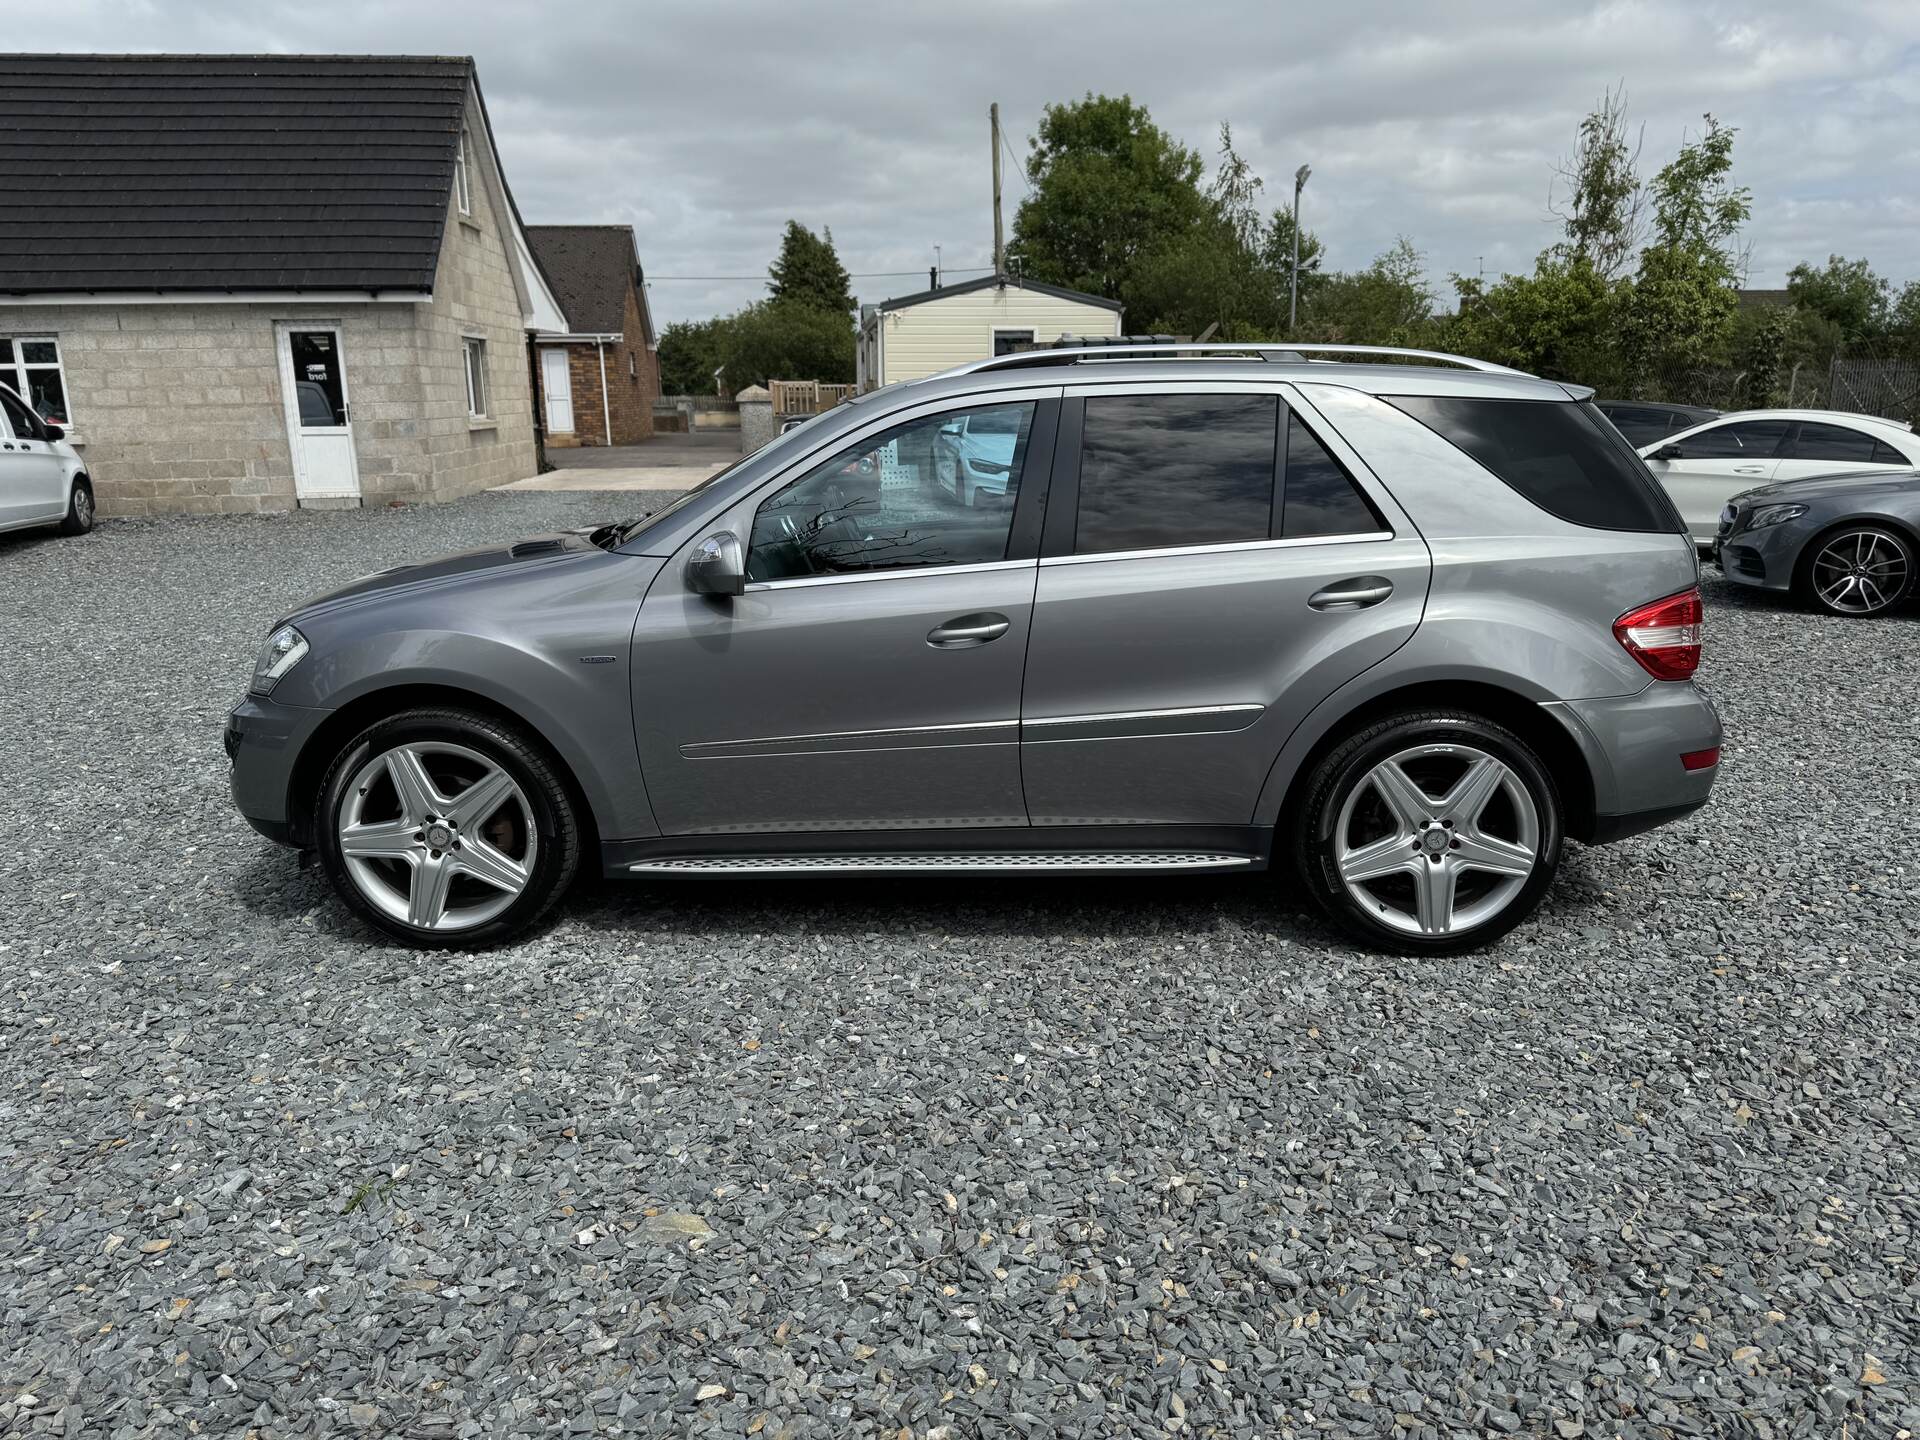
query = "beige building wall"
{"x": 178, "y": 408}
{"x": 936, "y": 335}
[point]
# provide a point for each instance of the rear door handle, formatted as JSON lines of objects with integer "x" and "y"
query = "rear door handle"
{"x": 1352, "y": 594}
{"x": 967, "y": 630}
{"x": 1749, "y": 469}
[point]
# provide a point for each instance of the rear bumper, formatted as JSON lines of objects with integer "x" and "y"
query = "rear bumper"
{"x": 264, "y": 740}
{"x": 1633, "y": 745}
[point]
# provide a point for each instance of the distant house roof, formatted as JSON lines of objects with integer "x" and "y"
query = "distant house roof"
{"x": 590, "y": 267}
{"x": 226, "y": 172}
{"x": 985, "y": 281}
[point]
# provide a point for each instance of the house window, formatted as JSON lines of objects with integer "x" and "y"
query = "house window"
{"x": 476, "y": 352}
{"x": 462, "y": 187}
{"x": 31, "y": 365}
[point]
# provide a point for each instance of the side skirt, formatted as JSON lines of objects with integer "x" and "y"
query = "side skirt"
{"x": 1084, "y": 849}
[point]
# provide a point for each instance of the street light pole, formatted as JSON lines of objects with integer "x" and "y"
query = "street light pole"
{"x": 1293, "y": 298}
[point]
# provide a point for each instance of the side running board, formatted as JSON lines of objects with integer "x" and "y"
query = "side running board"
{"x": 931, "y": 862}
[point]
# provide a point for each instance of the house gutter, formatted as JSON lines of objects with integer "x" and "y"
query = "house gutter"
{"x": 606, "y": 410}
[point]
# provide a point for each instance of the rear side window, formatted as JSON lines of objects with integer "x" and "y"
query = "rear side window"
{"x": 1319, "y": 497}
{"x": 1885, "y": 454}
{"x": 1556, "y": 453}
{"x": 1832, "y": 442}
{"x": 1158, "y": 471}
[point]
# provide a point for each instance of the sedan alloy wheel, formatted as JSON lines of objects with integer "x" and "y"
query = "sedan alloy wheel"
{"x": 1860, "y": 572}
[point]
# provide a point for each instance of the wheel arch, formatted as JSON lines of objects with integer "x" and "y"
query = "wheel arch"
{"x": 1523, "y": 715}
{"x": 340, "y": 726}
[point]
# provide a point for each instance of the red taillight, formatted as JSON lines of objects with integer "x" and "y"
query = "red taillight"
{"x": 1664, "y": 636}
{"x": 1700, "y": 759}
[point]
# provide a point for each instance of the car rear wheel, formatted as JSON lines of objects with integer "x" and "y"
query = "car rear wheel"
{"x": 1434, "y": 832}
{"x": 79, "y": 517}
{"x": 1858, "y": 571}
{"x": 447, "y": 829}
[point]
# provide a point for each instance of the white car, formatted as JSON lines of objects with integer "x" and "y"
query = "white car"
{"x": 1706, "y": 465}
{"x": 43, "y": 480}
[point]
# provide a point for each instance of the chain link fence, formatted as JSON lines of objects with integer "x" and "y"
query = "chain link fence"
{"x": 1863, "y": 379}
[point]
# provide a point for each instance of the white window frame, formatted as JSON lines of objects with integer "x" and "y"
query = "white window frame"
{"x": 1031, "y": 333}
{"x": 473, "y": 361}
{"x": 462, "y": 182}
{"x": 14, "y": 372}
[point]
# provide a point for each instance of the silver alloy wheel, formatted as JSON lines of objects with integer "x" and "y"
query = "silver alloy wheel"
{"x": 1436, "y": 841}
{"x": 1860, "y": 572}
{"x": 420, "y": 818}
{"x": 83, "y": 506}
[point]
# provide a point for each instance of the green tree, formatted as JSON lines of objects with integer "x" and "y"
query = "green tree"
{"x": 1602, "y": 208}
{"x": 808, "y": 271}
{"x": 1388, "y": 303}
{"x": 786, "y": 340}
{"x": 1107, "y": 188}
{"x": 1846, "y": 294}
{"x": 689, "y": 354}
{"x": 1560, "y": 321}
{"x": 1277, "y": 252}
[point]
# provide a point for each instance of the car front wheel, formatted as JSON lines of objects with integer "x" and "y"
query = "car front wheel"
{"x": 447, "y": 829}
{"x": 1433, "y": 832}
{"x": 1859, "y": 571}
{"x": 79, "y": 517}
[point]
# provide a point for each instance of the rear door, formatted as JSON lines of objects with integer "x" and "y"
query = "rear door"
{"x": 1702, "y": 469}
{"x": 1216, "y": 561}
{"x": 33, "y": 475}
{"x": 1819, "y": 448}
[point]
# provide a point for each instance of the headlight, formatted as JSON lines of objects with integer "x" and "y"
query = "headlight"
{"x": 285, "y": 648}
{"x": 1775, "y": 515}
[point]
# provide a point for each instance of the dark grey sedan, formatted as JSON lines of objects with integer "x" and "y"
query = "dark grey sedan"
{"x": 1846, "y": 544}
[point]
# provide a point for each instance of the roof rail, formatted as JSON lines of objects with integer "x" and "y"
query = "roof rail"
{"x": 1148, "y": 350}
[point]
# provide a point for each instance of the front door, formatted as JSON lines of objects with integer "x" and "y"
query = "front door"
{"x": 33, "y": 478}
{"x": 556, "y": 383}
{"x": 1211, "y": 572}
{"x": 869, "y": 677}
{"x": 1703, "y": 469}
{"x": 313, "y": 378}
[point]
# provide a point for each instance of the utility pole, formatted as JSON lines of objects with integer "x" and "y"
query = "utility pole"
{"x": 938, "y": 272}
{"x": 1293, "y": 298}
{"x": 999, "y": 243}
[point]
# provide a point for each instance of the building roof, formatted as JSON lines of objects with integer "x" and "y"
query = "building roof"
{"x": 590, "y": 267}
{"x": 226, "y": 172}
{"x": 964, "y": 287}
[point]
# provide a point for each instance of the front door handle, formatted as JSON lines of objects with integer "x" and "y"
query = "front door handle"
{"x": 964, "y": 631}
{"x": 1749, "y": 469}
{"x": 1352, "y": 594}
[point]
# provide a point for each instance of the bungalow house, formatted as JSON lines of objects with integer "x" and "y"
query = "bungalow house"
{"x": 253, "y": 282}
{"x": 936, "y": 329}
{"x": 597, "y": 384}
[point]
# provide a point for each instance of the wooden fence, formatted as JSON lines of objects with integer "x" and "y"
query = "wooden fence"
{"x": 806, "y": 397}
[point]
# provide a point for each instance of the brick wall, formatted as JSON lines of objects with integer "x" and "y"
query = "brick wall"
{"x": 633, "y": 384}
{"x": 179, "y": 408}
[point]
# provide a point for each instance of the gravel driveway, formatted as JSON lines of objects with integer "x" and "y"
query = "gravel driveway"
{"x": 885, "y": 1157}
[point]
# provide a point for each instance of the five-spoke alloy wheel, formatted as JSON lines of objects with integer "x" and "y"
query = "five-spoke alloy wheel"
{"x": 1862, "y": 570}
{"x": 1434, "y": 831}
{"x": 447, "y": 829}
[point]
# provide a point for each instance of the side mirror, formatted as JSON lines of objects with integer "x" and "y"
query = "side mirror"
{"x": 718, "y": 565}
{"x": 54, "y": 432}
{"x": 1667, "y": 452}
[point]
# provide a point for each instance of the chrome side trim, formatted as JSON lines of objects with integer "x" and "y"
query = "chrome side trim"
{"x": 907, "y": 737}
{"x": 1371, "y": 537}
{"x": 933, "y": 863}
{"x": 1121, "y": 724}
{"x": 800, "y": 581}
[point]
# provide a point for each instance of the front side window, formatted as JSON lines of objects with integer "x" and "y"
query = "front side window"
{"x": 31, "y": 365}
{"x": 1743, "y": 440}
{"x": 462, "y": 186}
{"x": 476, "y": 378}
{"x": 1557, "y": 454}
{"x": 1832, "y": 442}
{"x": 1162, "y": 471}
{"x": 934, "y": 491}
{"x": 14, "y": 414}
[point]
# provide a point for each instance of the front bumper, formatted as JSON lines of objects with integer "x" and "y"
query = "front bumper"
{"x": 1633, "y": 745}
{"x": 264, "y": 740}
{"x": 1763, "y": 558}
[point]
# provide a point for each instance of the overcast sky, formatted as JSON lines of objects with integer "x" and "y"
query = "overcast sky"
{"x": 706, "y": 126}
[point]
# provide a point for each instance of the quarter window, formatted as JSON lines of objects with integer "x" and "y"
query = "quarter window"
{"x": 1885, "y": 454}
{"x": 476, "y": 353}
{"x": 1319, "y": 496}
{"x": 1744, "y": 439}
{"x": 1158, "y": 471}
{"x": 31, "y": 365}
{"x": 935, "y": 491}
{"x": 1832, "y": 442}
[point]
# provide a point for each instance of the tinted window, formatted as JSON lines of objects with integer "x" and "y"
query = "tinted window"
{"x": 1745, "y": 439}
{"x": 937, "y": 491}
{"x": 1320, "y": 497}
{"x": 1556, "y": 453}
{"x": 1165, "y": 470}
{"x": 1832, "y": 442}
{"x": 1885, "y": 454}
{"x": 23, "y": 424}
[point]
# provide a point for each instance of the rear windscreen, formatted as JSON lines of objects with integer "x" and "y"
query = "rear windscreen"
{"x": 1559, "y": 454}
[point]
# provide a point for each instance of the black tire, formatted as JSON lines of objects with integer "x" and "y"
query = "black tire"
{"x": 79, "y": 517}
{"x": 1342, "y": 772}
{"x": 548, "y": 813}
{"x": 1887, "y": 545}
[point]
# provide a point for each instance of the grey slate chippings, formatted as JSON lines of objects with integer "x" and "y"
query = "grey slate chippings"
{"x": 933, "y": 1158}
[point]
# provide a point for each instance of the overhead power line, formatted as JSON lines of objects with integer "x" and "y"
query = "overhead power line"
{"x": 855, "y": 275}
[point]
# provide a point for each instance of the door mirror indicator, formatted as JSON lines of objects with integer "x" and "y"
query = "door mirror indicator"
{"x": 718, "y": 565}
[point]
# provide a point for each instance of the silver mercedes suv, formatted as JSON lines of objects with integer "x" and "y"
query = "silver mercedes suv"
{"x": 1397, "y": 630}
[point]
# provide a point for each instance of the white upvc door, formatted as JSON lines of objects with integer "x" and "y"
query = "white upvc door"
{"x": 556, "y": 382}
{"x": 313, "y": 383}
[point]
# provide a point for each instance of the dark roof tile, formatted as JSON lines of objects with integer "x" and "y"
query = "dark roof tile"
{"x": 589, "y": 268}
